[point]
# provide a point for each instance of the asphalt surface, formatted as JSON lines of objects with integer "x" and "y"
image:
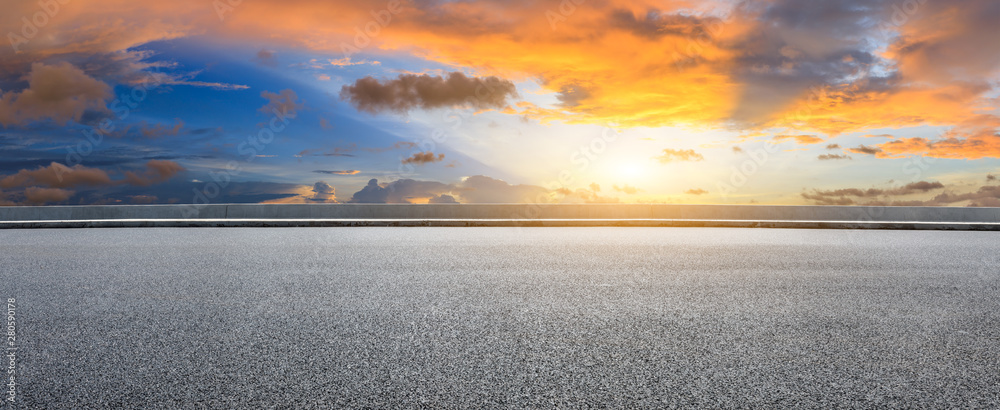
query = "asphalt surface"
{"x": 503, "y": 317}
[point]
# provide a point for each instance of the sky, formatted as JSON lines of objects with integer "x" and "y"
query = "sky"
{"x": 835, "y": 102}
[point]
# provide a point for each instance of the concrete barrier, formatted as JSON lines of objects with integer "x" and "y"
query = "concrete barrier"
{"x": 501, "y": 215}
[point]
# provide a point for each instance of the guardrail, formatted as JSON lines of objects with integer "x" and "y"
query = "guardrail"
{"x": 500, "y": 215}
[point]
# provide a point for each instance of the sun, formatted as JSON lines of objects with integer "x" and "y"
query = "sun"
{"x": 630, "y": 171}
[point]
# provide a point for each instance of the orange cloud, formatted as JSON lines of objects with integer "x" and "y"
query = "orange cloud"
{"x": 801, "y": 139}
{"x": 38, "y": 195}
{"x": 157, "y": 171}
{"x": 673, "y": 155}
{"x": 60, "y": 92}
{"x": 802, "y": 66}
{"x": 956, "y": 144}
{"x": 57, "y": 175}
{"x": 421, "y": 158}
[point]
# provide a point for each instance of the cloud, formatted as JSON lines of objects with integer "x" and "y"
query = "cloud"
{"x": 143, "y": 199}
{"x": 672, "y": 155}
{"x": 829, "y": 157}
{"x": 409, "y": 92}
{"x": 825, "y": 67}
{"x": 36, "y": 195}
{"x": 59, "y": 92}
{"x": 737, "y": 150}
{"x": 985, "y": 196}
{"x": 864, "y": 149}
{"x": 323, "y": 192}
{"x": 347, "y": 62}
{"x": 443, "y": 199}
{"x": 397, "y": 145}
{"x": 697, "y": 191}
{"x": 400, "y": 192}
{"x": 285, "y": 104}
{"x": 159, "y": 130}
{"x": 627, "y": 189}
{"x": 57, "y": 175}
{"x": 801, "y": 139}
{"x": 347, "y": 172}
{"x": 583, "y": 196}
{"x": 957, "y": 143}
{"x": 266, "y": 58}
{"x": 849, "y": 196}
{"x": 371, "y": 194}
{"x": 421, "y": 158}
{"x": 755, "y": 62}
{"x": 833, "y": 146}
{"x": 475, "y": 189}
{"x": 157, "y": 171}
{"x": 480, "y": 189}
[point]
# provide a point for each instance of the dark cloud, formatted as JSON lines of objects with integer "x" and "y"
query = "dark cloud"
{"x": 443, "y": 199}
{"x": 794, "y": 45}
{"x": 656, "y": 24}
{"x": 421, "y": 158}
{"x": 833, "y": 146}
{"x": 371, "y": 194}
{"x": 849, "y": 196}
{"x": 959, "y": 52}
{"x": 323, "y": 192}
{"x": 986, "y": 196}
{"x": 399, "y": 192}
{"x": 737, "y": 150}
{"x": 991, "y": 177}
{"x": 673, "y": 155}
{"x": 345, "y": 172}
{"x": 59, "y": 92}
{"x": 830, "y": 157}
{"x": 572, "y": 95}
{"x": 410, "y": 91}
{"x": 864, "y": 149}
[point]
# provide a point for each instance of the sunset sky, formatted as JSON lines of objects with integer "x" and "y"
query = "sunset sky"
{"x": 834, "y": 102}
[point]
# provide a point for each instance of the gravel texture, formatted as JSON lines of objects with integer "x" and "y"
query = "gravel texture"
{"x": 504, "y": 317}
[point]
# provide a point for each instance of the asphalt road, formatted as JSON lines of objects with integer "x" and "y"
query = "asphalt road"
{"x": 503, "y": 317}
